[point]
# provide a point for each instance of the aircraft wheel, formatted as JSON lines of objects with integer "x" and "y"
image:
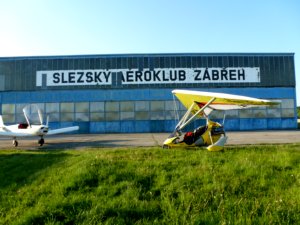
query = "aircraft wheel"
{"x": 165, "y": 146}
{"x": 41, "y": 142}
{"x": 15, "y": 143}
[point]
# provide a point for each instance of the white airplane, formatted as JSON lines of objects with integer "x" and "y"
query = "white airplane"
{"x": 200, "y": 104}
{"x": 29, "y": 129}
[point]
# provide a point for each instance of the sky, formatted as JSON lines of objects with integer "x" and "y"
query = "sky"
{"x": 74, "y": 27}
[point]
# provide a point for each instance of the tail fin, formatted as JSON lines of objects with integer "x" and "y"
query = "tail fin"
{"x": 1, "y": 122}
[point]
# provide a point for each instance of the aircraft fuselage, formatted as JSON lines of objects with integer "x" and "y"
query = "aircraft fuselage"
{"x": 34, "y": 130}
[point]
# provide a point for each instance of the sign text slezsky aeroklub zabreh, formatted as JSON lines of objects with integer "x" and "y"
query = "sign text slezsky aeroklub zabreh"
{"x": 147, "y": 76}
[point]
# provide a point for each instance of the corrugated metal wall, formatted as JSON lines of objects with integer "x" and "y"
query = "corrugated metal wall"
{"x": 144, "y": 107}
{"x": 277, "y": 70}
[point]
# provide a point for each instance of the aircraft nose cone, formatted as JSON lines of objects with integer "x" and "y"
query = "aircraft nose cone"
{"x": 44, "y": 129}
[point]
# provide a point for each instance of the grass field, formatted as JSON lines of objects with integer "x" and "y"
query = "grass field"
{"x": 242, "y": 185}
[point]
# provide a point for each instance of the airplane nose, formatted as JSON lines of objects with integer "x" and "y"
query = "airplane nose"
{"x": 44, "y": 129}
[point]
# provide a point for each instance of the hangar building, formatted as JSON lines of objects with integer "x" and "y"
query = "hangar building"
{"x": 132, "y": 92}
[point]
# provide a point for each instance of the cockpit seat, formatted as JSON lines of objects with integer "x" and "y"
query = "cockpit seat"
{"x": 22, "y": 126}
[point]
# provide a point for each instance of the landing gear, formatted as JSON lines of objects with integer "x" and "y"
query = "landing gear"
{"x": 41, "y": 141}
{"x": 166, "y": 147}
{"x": 15, "y": 143}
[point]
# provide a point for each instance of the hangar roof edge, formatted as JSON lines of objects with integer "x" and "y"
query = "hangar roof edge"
{"x": 142, "y": 55}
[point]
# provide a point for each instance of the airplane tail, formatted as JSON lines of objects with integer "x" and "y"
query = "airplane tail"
{"x": 1, "y": 122}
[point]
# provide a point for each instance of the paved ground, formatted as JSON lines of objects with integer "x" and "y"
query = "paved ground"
{"x": 145, "y": 139}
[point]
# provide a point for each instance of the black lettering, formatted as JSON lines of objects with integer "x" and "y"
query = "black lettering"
{"x": 138, "y": 76}
{"x": 63, "y": 78}
{"x": 97, "y": 77}
{"x": 224, "y": 74}
{"x": 232, "y": 74}
{"x": 241, "y": 74}
{"x": 215, "y": 74}
{"x": 106, "y": 76}
{"x": 155, "y": 75}
{"x": 123, "y": 79}
{"x": 206, "y": 75}
{"x": 89, "y": 77}
{"x": 181, "y": 75}
{"x": 71, "y": 77}
{"x": 164, "y": 75}
{"x": 173, "y": 75}
{"x": 129, "y": 76}
{"x": 149, "y": 76}
{"x": 56, "y": 78}
{"x": 80, "y": 77}
{"x": 198, "y": 74}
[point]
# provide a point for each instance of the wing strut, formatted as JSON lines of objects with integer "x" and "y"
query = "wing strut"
{"x": 27, "y": 120}
{"x": 186, "y": 120}
{"x": 40, "y": 116}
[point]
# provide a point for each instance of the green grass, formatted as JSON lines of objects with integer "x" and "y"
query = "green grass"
{"x": 242, "y": 185}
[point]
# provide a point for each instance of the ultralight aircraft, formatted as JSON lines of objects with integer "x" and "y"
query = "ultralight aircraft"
{"x": 200, "y": 104}
{"x": 30, "y": 128}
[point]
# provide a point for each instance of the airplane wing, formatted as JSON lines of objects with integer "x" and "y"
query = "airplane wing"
{"x": 63, "y": 130}
{"x": 221, "y": 101}
{"x": 6, "y": 133}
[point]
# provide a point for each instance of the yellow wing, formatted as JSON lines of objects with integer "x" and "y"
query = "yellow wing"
{"x": 221, "y": 101}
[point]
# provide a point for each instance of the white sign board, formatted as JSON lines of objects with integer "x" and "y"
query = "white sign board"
{"x": 74, "y": 77}
{"x": 147, "y": 76}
